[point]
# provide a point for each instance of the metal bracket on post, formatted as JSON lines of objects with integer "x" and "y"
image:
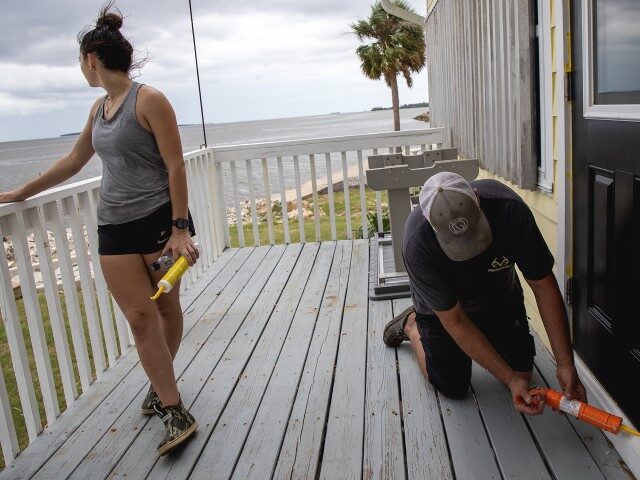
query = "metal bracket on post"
{"x": 397, "y": 173}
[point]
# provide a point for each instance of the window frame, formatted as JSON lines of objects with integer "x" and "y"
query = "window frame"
{"x": 619, "y": 112}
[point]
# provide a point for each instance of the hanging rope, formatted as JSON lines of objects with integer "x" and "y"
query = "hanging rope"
{"x": 195, "y": 53}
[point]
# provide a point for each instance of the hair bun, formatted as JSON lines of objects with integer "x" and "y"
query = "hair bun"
{"x": 109, "y": 20}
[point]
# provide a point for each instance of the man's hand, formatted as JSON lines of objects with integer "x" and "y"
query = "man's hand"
{"x": 523, "y": 401}
{"x": 571, "y": 385}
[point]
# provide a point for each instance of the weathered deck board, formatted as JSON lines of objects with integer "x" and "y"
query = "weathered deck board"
{"x": 471, "y": 451}
{"x": 515, "y": 450}
{"x": 283, "y": 365}
{"x": 100, "y": 460}
{"x": 300, "y": 451}
{"x": 424, "y": 437}
{"x": 257, "y": 458}
{"x": 342, "y": 456}
{"x": 134, "y": 465}
{"x": 383, "y": 439}
{"x": 87, "y": 435}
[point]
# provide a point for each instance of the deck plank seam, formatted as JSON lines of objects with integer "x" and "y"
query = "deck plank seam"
{"x": 333, "y": 376}
{"x": 444, "y": 431}
{"x": 486, "y": 431}
{"x": 273, "y": 470}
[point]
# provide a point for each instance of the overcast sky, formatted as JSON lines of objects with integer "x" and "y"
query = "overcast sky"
{"x": 258, "y": 59}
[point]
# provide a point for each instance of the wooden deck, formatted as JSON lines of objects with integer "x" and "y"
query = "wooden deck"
{"x": 283, "y": 365}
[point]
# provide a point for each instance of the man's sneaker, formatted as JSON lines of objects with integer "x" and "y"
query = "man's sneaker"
{"x": 149, "y": 402}
{"x": 393, "y": 334}
{"x": 179, "y": 425}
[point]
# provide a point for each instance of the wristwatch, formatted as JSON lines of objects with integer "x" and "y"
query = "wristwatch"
{"x": 181, "y": 223}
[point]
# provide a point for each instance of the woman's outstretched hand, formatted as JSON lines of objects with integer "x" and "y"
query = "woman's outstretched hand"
{"x": 16, "y": 195}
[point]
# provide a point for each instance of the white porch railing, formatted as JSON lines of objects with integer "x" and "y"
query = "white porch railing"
{"x": 283, "y": 174}
{"x": 51, "y": 247}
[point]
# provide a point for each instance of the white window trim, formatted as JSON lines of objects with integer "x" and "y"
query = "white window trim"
{"x": 543, "y": 32}
{"x": 590, "y": 109}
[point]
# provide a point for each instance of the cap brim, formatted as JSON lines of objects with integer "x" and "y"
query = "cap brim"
{"x": 464, "y": 247}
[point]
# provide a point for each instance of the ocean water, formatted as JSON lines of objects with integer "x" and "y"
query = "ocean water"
{"x": 22, "y": 160}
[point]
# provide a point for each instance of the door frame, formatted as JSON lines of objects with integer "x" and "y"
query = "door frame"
{"x": 628, "y": 449}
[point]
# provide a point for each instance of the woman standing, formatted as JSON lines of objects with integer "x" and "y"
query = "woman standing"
{"x": 142, "y": 211}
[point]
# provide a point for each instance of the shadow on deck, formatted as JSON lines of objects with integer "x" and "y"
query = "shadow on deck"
{"x": 283, "y": 365}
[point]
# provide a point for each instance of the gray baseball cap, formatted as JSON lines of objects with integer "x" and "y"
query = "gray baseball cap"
{"x": 450, "y": 205}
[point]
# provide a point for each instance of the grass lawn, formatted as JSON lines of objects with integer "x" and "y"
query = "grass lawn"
{"x": 309, "y": 224}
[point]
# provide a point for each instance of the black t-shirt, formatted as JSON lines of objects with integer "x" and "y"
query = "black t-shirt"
{"x": 487, "y": 283}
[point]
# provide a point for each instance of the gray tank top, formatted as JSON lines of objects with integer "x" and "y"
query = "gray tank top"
{"x": 135, "y": 181}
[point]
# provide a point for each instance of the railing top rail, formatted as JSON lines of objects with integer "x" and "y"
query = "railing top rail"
{"x": 195, "y": 153}
{"x": 232, "y": 153}
{"x": 51, "y": 195}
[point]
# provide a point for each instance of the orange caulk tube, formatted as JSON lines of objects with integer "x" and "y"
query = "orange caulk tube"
{"x": 172, "y": 276}
{"x": 582, "y": 411}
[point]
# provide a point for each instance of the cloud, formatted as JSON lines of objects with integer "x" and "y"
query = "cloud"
{"x": 257, "y": 59}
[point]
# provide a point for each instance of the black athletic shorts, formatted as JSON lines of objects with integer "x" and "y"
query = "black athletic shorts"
{"x": 144, "y": 235}
{"x": 449, "y": 368}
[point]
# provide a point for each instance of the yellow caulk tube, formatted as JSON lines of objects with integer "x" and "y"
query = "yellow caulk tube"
{"x": 172, "y": 276}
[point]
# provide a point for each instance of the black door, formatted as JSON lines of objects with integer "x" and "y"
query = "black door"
{"x": 606, "y": 194}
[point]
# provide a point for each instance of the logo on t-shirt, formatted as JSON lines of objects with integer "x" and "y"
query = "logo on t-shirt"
{"x": 459, "y": 225}
{"x": 498, "y": 265}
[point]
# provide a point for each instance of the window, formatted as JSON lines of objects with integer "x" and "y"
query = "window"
{"x": 611, "y": 59}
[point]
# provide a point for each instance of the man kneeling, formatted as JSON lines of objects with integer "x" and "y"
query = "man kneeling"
{"x": 459, "y": 249}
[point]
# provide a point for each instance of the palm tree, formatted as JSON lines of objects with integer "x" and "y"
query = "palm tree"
{"x": 398, "y": 47}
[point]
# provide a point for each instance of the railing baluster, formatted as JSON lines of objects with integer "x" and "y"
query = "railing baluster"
{"x": 363, "y": 196}
{"x": 71, "y": 209}
{"x": 378, "y": 203}
{"x": 121, "y": 326}
{"x": 236, "y": 197}
{"x": 267, "y": 195}
{"x": 252, "y": 200}
{"x": 222, "y": 201}
{"x": 347, "y": 198}
{"x": 195, "y": 207}
{"x": 8, "y": 437}
{"x": 209, "y": 228}
{"x": 56, "y": 317}
{"x": 314, "y": 189}
{"x": 35, "y": 322}
{"x": 332, "y": 207}
{"x": 216, "y": 227}
{"x": 283, "y": 200}
{"x": 19, "y": 359}
{"x": 70, "y": 294}
{"x": 88, "y": 209}
{"x": 203, "y": 237}
{"x": 296, "y": 170}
